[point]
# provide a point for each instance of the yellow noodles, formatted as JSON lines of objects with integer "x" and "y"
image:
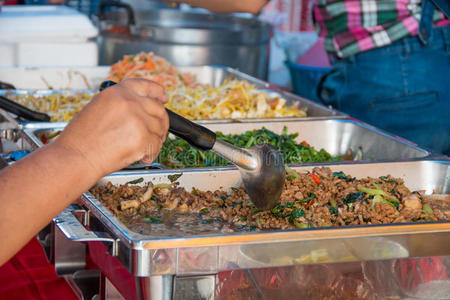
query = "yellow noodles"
{"x": 60, "y": 107}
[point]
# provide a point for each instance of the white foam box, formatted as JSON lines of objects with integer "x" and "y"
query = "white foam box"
{"x": 46, "y": 35}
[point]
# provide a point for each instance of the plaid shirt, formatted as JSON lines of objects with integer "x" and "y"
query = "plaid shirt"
{"x": 353, "y": 26}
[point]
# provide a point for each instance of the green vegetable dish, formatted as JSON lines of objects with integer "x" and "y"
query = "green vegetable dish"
{"x": 177, "y": 153}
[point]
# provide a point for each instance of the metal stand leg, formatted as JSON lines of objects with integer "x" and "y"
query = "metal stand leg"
{"x": 45, "y": 239}
{"x": 108, "y": 291}
{"x": 194, "y": 287}
{"x": 85, "y": 284}
{"x": 68, "y": 256}
{"x": 154, "y": 287}
{"x": 165, "y": 287}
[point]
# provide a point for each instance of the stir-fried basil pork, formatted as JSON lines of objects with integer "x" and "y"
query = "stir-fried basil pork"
{"x": 321, "y": 198}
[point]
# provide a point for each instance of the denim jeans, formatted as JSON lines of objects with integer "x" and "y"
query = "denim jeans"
{"x": 403, "y": 88}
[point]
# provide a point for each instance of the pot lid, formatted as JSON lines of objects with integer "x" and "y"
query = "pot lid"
{"x": 165, "y": 25}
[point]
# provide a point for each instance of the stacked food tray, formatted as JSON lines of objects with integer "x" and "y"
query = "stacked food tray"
{"x": 170, "y": 264}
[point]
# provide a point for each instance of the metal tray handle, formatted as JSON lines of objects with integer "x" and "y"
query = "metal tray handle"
{"x": 71, "y": 227}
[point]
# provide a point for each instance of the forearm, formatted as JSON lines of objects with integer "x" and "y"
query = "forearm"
{"x": 123, "y": 124}
{"x": 37, "y": 188}
{"x": 228, "y": 6}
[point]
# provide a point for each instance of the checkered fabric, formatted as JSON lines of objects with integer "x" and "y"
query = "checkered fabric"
{"x": 353, "y": 26}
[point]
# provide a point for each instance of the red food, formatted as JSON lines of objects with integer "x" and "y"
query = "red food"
{"x": 304, "y": 143}
{"x": 315, "y": 178}
{"x": 44, "y": 139}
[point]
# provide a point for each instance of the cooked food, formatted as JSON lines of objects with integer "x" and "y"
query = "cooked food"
{"x": 194, "y": 100}
{"x": 320, "y": 198}
{"x": 61, "y": 107}
{"x": 48, "y": 137}
{"x": 152, "y": 67}
{"x": 177, "y": 153}
{"x": 232, "y": 99}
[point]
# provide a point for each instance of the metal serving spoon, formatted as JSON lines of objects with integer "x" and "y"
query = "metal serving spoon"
{"x": 261, "y": 166}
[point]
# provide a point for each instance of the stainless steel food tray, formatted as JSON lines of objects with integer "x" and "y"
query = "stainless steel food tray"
{"x": 216, "y": 75}
{"x": 144, "y": 255}
{"x": 336, "y": 136}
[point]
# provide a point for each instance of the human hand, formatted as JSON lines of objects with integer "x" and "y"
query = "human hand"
{"x": 123, "y": 124}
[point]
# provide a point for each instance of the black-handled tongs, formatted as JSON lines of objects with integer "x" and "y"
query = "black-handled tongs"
{"x": 6, "y": 86}
{"x": 22, "y": 111}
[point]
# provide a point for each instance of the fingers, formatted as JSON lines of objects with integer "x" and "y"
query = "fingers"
{"x": 150, "y": 95}
{"x": 128, "y": 121}
{"x": 154, "y": 125}
{"x": 152, "y": 150}
{"x": 146, "y": 88}
{"x": 156, "y": 110}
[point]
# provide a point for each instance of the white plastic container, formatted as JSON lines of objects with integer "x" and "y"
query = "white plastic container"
{"x": 46, "y": 35}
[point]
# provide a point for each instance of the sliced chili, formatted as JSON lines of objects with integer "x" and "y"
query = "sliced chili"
{"x": 308, "y": 205}
{"x": 315, "y": 178}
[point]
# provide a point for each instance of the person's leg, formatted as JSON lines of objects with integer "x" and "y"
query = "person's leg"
{"x": 403, "y": 88}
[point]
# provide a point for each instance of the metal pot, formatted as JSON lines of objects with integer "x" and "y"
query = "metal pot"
{"x": 185, "y": 38}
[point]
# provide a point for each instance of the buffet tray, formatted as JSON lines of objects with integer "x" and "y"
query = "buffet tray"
{"x": 337, "y": 136}
{"x": 213, "y": 75}
{"x": 145, "y": 255}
